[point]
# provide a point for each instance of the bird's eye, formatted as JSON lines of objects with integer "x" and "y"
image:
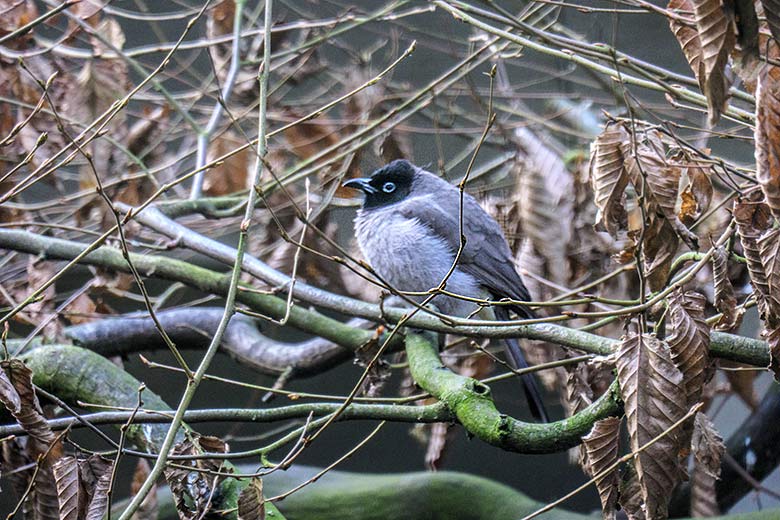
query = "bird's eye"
{"x": 388, "y": 187}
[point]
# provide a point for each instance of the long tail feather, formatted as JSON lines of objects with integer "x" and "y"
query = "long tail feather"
{"x": 517, "y": 361}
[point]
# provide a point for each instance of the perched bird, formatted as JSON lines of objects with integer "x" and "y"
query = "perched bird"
{"x": 409, "y": 231}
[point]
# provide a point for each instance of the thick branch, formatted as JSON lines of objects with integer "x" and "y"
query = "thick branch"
{"x": 472, "y": 404}
{"x": 727, "y": 346}
{"x": 193, "y": 328}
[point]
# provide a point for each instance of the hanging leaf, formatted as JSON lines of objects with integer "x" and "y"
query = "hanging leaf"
{"x": 696, "y": 196}
{"x": 746, "y": 21}
{"x": 660, "y": 248}
{"x": 687, "y": 36}
{"x": 601, "y": 452}
{"x": 742, "y": 383}
{"x": 609, "y": 177}
{"x": 752, "y": 220}
{"x": 251, "y": 503}
{"x": 652, "y": 389}
{"x": 767, "y": 135}
{"x": 725, "y": 298}
{"x": 69, "y": 491}
{"x": 647, "y": 167}
{"x": 769, "y": 250}
{"x": 631, "y": 493}
{"x": 772, "y": 13}
{"x": 716, "y": 32}
{"x": 689, "y": 341}
{"x": 772, "y": 338}
{"x": 97, "y": 470}
{"x": 708, "y": 449}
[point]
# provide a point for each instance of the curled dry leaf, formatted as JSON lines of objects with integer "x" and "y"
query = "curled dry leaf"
{"x": 708, "y": 449}
{"x": 609, "y": 177}
{"x": 18, "y": 396}
{"x": 689, "y": 341}
{"x": 752, "y": 220}
{"x": 251, "y": 503}
{"x": 725, "y": 298}
{"x": 192, "y": 490}
{"x": 687, "y": 35}
{"x": 716, "y": 32}
{"x": 769, "y": 250}
{"x": 652, "y": 389}
{"x": 69, "y": 490}
{"x": 696, "y": 197}
{"x": 601, "y": 452}
{"x": 660, "y": 247}
{"x": 767, "y": 135}
{"x": 96, "y": 476}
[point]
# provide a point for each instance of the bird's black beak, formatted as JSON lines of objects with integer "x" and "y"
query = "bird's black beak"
{"x": 363, "y": 185}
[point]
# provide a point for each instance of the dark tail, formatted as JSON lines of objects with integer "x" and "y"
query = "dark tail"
{"x": 517, "y": 361}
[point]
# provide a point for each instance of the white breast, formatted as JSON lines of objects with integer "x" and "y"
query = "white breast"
{"x": 410, "y": 257}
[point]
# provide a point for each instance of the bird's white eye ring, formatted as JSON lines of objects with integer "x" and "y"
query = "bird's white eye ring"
{"x": 388, "y": 187}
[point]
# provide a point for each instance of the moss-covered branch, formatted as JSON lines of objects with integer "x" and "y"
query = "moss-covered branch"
{"x": 473, "y": 405}
{"x": 727, "y": 346}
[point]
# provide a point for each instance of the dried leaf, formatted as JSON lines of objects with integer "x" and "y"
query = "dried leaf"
{"x": 769, "y": 250}
{"x": 631, "y": 494}
{"x": 716, "y": 32}
{"x": 601, "y": 452}
{"x": 69, "y": 491}
{"x": 81, "y": 310}
{"x": 725, "y": 298}
{"x": 746, "y": 21}
{"x": 708, "y": 449}
{"x": 696, "y": 196}
{"x": 772, "y": 13}
{"x": 192, "y": 490}
{"x": 660, "y": 248}
{"x": 231, "y": 174}
{"x": 609, "y": 177}
{"x": 687, "y": 35}
{"x": 742, "y": 383}
{"x": 652, "y": 390}
{"x": 251, "y": 503}
{"x": 752, "y": 220}
{"x": 772, "y": 338}
{"x": 767, "y": 135}
{"x": 689, "y": 341}
{"x": 24, "y": 406}
{"x": 97, "y": 471}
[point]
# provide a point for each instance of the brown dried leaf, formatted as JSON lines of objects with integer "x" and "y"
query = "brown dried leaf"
{"x": 232, "y": 174}
{"x": 689, "y": 341}
{"x": 631, "y": 494}
{"x": 69, "y": 491}
{"x": 742, "y": 383}
{"x": 716, "y": 32}
{"x": 251, "y": 504}
{"x": 708, "y": 449}
{"x": 767, "y": 135}
{"x": 660, "y": 247}
{"x": 772, "y": 13}
{"x": 20, "y": 399}
{"x": 545, "y": 198}
{"x": 601, "y": 452}
{"x": 192, "y": 490}
{"x": 746, "y": 21}
{"x": 652, "y": 390}
{"x": 769, "y": 250}
{"x": 609, "y": 177}
{"x": 725, "y": 298}
{"x": 13, "y": 15}
{"x": 752, "y": 220}
{"x": 696, "y": 196}
{"x": 148, "y": 509}
{"x": 81, "y": 310}
{"x": 687, "y": 35}
{"x": 96, "y": 470}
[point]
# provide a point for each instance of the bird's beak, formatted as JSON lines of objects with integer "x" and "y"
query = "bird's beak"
{"x": 363, "y": 185}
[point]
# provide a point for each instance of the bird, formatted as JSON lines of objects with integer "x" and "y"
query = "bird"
{"x": 409, "y": 230}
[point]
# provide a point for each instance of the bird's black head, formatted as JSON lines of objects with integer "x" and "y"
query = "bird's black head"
{"x": 387, "y": 185}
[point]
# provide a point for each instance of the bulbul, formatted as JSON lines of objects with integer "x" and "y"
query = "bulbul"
{"x": 409, "y": 231}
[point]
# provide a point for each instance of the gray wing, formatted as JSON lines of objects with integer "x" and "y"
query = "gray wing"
{"x": 486, "y": 256}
